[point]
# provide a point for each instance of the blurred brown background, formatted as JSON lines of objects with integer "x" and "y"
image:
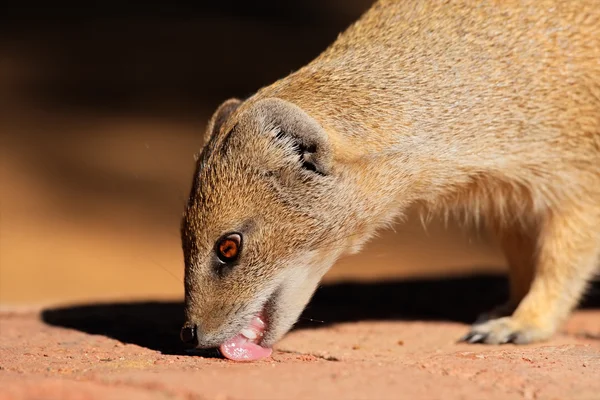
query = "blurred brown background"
{"x": 102, "y": 108}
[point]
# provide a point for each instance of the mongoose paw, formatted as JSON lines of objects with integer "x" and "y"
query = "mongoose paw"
{"x": 505, "y": 330}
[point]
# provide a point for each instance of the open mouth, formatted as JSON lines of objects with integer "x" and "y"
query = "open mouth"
{"x": 245, "y": 346}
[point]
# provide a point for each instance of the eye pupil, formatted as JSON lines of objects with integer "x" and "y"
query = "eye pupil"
{"x": 228, "y": 247}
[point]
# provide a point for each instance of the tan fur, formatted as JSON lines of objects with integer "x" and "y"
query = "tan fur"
{"x": 489, "y": 109}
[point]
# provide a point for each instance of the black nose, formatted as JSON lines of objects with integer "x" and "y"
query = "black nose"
{"x": 188, "y": 334}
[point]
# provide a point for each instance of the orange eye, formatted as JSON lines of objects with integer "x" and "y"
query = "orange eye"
{"x": 228, "y": 247}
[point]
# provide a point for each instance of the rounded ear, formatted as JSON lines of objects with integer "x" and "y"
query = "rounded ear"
{"x": 220, "y": 117}
{"x": 293, "y": 125}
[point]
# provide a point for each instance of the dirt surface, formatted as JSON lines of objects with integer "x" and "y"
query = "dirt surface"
{"x": 100, "y": 118}
{"x": 374, "y": 360}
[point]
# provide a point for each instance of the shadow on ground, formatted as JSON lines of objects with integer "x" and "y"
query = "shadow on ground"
{"x": 155, "y": 325}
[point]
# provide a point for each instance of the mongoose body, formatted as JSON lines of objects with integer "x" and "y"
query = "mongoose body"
{"x": 486, "y": 109}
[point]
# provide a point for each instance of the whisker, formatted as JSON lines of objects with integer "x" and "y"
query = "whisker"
{"x": 178, "y": 279}
{"x": 312, "y": 320}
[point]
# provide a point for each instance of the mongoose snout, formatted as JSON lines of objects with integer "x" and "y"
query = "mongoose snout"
{"x": 490, "y": 110}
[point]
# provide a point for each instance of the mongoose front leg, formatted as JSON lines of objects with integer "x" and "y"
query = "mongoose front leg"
{"x": 519, "y": 243}
{"x": 567, "y": 254}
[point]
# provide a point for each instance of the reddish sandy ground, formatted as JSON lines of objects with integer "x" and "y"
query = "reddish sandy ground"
{"x": 91, "y": 269}
{"x": 362, "y": 360}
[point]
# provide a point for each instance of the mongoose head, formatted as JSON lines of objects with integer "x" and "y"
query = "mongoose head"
{"x": 264, "y": 222}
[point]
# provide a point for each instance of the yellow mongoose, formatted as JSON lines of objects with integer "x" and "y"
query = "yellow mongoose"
{"x": 490, "y": 108}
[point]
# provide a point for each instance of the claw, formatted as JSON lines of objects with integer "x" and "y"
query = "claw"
{"x": 464, "y": 338}
{"x": 472, "y": 337}
{"x": 477, "y": 338}
{"x": 512, "y": 337}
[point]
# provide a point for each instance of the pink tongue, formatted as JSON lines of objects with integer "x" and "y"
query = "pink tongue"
{"x": 241, "y": 349}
